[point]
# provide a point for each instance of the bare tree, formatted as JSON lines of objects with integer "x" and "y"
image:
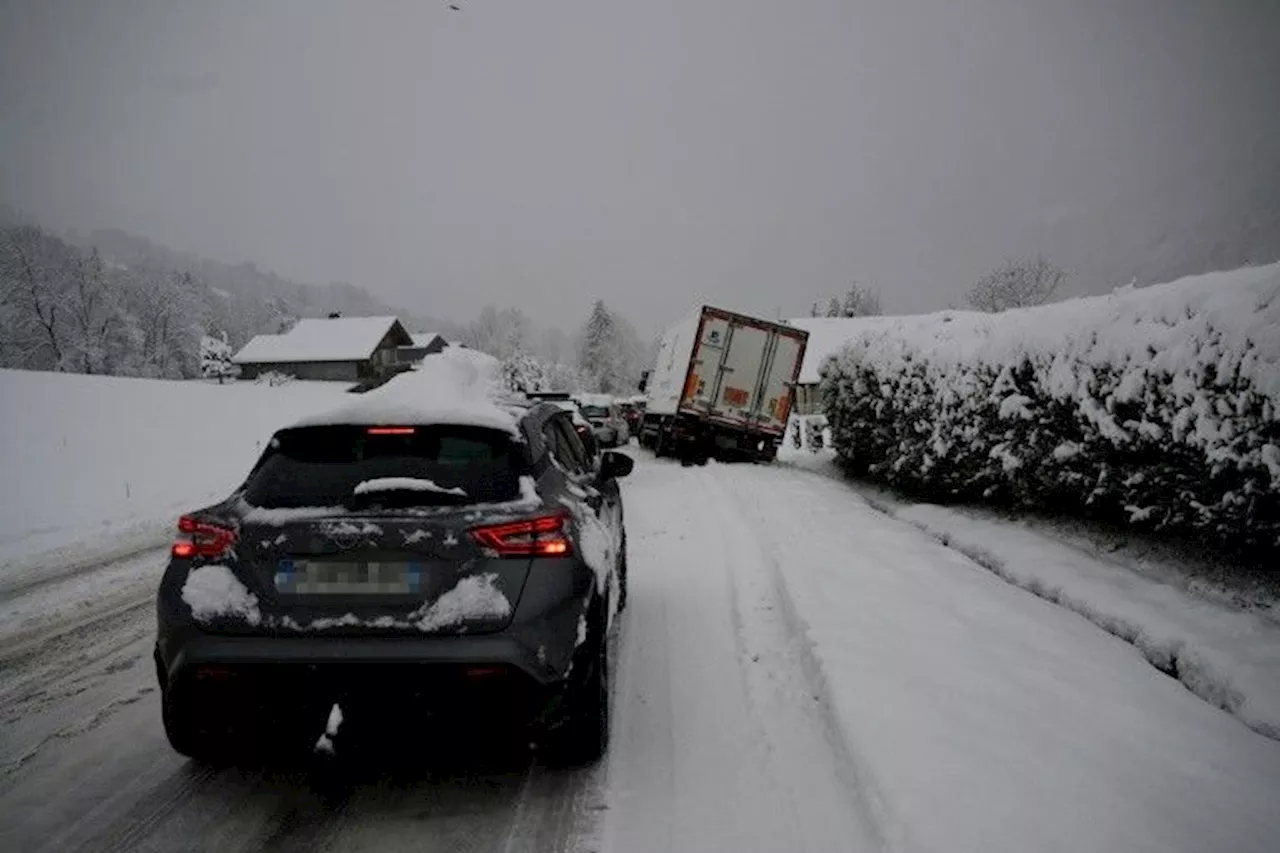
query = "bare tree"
{"x": 1017, "y": 283}
{"x": 33, "y": 268}
{"x": 167, "y": 319}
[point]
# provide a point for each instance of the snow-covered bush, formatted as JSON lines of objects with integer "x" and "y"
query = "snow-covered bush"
{"x": 215, "y": 358}
{"x": 1157, "y": 407}
{"x": 522, "y": 373}
{"x": 273, "y": 378}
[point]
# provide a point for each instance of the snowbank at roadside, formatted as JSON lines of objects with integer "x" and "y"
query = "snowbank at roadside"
{"x": 97, "y": 466}
{"x": 978, "y": 717}
{"x": 1155, "y": 407}
{"x": 1227, "y": 657}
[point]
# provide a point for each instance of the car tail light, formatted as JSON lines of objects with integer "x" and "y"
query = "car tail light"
{"x": 544, "y": 536}
{"x": 392, "y": 430}
{"x": 202, "y": 539}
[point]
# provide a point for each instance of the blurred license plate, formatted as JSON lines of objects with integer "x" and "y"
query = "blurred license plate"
{"x": 325, "y": 577}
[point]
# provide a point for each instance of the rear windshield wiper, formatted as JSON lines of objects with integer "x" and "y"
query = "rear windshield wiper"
{"x": 405, "y": 484}
{"x": 404, "y": 492}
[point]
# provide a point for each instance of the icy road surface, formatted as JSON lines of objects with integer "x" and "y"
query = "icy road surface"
{"x": 794, "y": 672}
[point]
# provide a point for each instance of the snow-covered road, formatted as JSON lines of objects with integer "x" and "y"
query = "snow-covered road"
{"x": 795, "y": 672}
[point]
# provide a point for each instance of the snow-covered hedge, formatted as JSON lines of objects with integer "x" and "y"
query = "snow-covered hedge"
{"x": 1158, "y": 406}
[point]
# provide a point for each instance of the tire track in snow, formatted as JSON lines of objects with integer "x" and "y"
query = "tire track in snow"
{"x": 715, "y": 746}
{"x": 786, "y": 688}
{"x": 77, "y": 684}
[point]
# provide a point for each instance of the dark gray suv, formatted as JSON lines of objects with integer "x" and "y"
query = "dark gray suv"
{"x": 417, "y": 575}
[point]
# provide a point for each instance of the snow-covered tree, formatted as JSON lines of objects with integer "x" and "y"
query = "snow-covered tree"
{"x": 168, "y": 316}
{"x": 34, "y": 270}
{"x": 599, "y": 356}
{"x": 860, "y": 301}
{"x": 97, "y": 325}
{"x": 501, "y": 333}
{"x": 1017, "y": 283}
{"x": 565, "y": 377}
{"x": 215, "y": 357}
{"x": 523, "y": 373}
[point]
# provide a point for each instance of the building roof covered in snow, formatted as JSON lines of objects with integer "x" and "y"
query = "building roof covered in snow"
{"x": 331, "y": 339}
{"x": 827, "y": 336}
{"x": 426, "y": 339}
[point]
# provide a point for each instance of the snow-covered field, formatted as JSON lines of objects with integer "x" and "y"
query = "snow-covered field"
{"x": 796, "y": 670}
{"x": 94, "y": 466}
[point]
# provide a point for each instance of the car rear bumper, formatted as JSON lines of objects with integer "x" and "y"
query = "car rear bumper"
{"x": 539, "y": 642}
{"x": 332, "y": 653}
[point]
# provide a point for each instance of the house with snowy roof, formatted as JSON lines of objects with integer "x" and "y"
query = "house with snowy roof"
{"x": 827, "y": 337}
{"x": 344, "y": 349}
{"x": 424, "y": 344}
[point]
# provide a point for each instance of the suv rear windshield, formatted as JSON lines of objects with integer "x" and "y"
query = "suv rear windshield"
{"x": 595, "y": 412}
{"x": 356, "y": 467}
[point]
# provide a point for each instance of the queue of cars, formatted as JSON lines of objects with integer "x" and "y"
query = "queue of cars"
{"x": 612, "y": 421}
{"x": 411, "y": 561}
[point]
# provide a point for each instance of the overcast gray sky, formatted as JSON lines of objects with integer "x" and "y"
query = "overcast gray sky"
{"x": 539, "y": 153}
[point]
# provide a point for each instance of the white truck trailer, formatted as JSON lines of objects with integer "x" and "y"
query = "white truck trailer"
{"x": 722, "y": 387}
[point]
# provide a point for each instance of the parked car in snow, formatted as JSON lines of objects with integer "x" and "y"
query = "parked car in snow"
{"x": 403, "y": 561}
{"x": 582, "y": 426}
{"x": 633, "y": 413}
{"x": 606, "y": 419}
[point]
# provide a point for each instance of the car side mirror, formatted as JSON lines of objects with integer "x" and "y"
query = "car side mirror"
{"x": 614, "y": 465}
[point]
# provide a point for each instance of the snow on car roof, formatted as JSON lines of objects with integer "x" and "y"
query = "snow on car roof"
{"x": 328, "y": 339}
{"x": 460, "y": 387}
{"x": 572, "y": 408}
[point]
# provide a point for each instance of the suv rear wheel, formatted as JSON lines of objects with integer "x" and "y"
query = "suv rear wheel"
{"x": 583, "y": 735}
{"x": 182, "y": 731}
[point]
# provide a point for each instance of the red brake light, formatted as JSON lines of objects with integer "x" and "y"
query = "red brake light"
{"x": 392, "y": 430}
{"x": 202, "y": 539}
{"x": 544, "y": 536}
